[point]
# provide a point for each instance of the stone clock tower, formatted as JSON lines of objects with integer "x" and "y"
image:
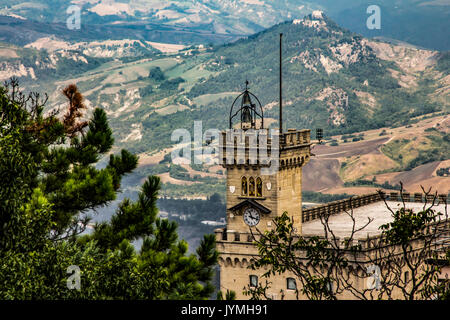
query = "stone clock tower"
{"x": 258, "y": 189}
{"x": 264, "y": 180}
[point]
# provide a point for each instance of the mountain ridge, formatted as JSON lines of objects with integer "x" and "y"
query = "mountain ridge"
{"x": 334, "y": 79}
{"x": 421, "y": 22}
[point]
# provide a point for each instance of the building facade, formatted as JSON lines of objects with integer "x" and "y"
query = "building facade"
{"x": 260, "y": 189}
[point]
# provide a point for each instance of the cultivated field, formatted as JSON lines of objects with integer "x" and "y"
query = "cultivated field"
{"x": 332, "y": 166}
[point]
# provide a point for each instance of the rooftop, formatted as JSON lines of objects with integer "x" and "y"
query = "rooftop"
{"x": 341, "y": 223}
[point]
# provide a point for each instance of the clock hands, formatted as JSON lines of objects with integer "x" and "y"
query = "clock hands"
{"x": 251, "y": 217}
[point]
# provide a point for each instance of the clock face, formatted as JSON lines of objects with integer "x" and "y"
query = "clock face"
{"x": 251, "y": 217}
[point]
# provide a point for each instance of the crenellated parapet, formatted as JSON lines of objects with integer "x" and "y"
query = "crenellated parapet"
{"x": 259, "y": 147}
{"x": 244, "y": 148}
{"x": 295, "y": 148}
{"x": 294, "y": 138}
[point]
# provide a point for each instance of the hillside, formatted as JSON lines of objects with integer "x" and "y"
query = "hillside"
{"x": 421, "y": 22}
{"x": 31, "y": 65}
{"x": 333, "y": 79}
{"x": 17, "y": 30}
{"x": 366, "y": 161}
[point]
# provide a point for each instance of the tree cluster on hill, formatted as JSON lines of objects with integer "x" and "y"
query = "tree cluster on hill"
{"x": 213, "y": 208}
{"x": 371, "y": 183}
{"x": 311, "y": 196}
{"x": 434, "y": 148}
{"x": 156, "y": 74}
{"x": 171, "y": 84}
{"x": 440, "y": 143}
{"x": 443, "y": 172}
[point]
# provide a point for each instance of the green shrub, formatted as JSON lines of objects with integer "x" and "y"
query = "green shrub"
{"x": 156, "y": 74}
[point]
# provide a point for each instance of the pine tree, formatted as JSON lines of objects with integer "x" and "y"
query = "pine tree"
{"x": 49, "y": 183}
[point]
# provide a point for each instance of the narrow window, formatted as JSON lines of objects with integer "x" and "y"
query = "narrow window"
{"x": 244, "y": 186}
{"x": 251, "y": 187}
{"x": 259, "y": 187}
{"x": 291, "y": 284}
{"x": 253, "y": 281}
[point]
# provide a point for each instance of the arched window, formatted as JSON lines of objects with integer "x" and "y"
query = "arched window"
{"x": 259, "y": 187}
{"x": 251, "y": 187}
{"x": 244, "y": 186}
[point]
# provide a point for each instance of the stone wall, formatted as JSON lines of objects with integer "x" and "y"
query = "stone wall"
{"x": 336, "y": 207}
{"x": 238, "y": 251}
